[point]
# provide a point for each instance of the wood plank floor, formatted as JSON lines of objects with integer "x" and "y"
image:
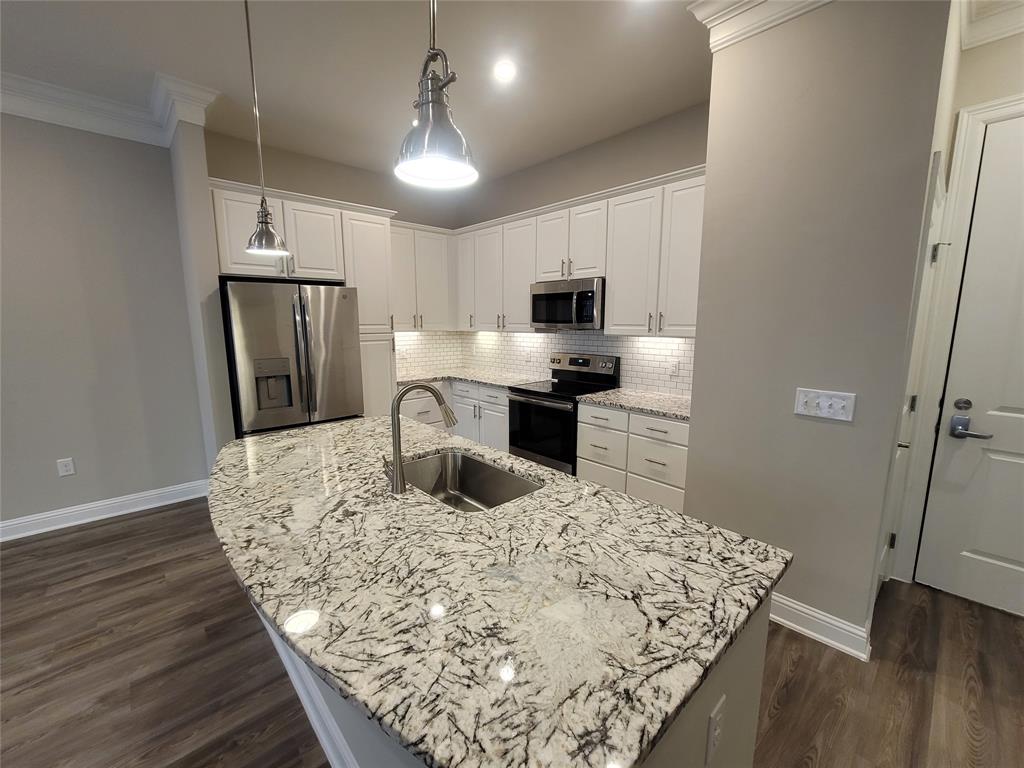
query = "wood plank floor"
{"x": 129, "y": 643}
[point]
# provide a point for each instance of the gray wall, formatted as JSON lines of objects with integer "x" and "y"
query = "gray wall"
{"x": 818, "y": 155}
{"x": 97, "y": 362}
{"x": 235, "y": 159}
{"x": 669, "y": 144}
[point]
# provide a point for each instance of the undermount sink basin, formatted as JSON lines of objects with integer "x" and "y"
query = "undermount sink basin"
{"x": 465, "y": 482}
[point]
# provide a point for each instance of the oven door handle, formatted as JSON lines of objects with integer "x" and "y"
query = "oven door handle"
{"x": 557, "y": 405}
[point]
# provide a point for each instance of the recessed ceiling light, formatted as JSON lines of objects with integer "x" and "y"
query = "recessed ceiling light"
{"x": 504, "y": 71}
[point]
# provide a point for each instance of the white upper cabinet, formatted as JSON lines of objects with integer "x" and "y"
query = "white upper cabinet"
{"x": 552, "y": 246}
{"x": 367, "y": 253}
{"x": 487, "y": 287}
{"x": 634, "y": 243}
{"x": 314, "y": 240}
{"x": 235, "y": 216}
{"x": 432, "y": 281}
{"x": 403, "y": 279}
{"x": 465, "y": 283}
{"x": 680, "y": 258}
{"x": 588, "y": 240}
{"x": 519, "y": 259}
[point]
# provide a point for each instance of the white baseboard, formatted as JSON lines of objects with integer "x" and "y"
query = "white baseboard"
{"x": 30, "y": 525}
{"x": 823, "y": 627}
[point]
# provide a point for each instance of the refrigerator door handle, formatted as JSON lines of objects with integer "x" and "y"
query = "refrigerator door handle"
{"x": 310, "y": 374}
{"x": 300, "y": 348}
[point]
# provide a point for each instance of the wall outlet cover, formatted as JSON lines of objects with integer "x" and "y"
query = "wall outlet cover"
{"x": 65, "y": 467}
{"x": 716, "y": 721}
{"x": 824, "y": 404}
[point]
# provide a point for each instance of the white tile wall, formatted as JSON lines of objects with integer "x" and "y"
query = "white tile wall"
{"x": 650, "y": 364}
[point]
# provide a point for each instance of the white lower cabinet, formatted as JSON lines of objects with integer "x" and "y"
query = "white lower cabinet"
{"x": 494, "y": 426}
{"x": 422, "y": 406}
{"x": 467, "y": 425}
{"x": 644, "y": 456}
{"x": 378, "y": 370}
{"x": 482, "y": 413}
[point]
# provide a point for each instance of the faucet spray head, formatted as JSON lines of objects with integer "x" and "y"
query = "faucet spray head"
{"x": 448, "y": 415}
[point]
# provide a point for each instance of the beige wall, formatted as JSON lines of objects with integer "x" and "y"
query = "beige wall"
{"x": 819, "y": 141}
{"x": 97, "y": 363}
{"x": 235, "y": 159}
{"x": 990, "y": 71}
{"x": 669, "y": 144}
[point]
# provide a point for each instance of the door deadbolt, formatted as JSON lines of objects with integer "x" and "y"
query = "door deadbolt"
{"x": 963, "y": 404}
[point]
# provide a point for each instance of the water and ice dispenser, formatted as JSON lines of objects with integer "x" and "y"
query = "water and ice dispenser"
{"x": 273, "y": 383}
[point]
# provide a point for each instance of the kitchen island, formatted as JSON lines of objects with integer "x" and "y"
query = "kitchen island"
{"x": 572, "y": 626}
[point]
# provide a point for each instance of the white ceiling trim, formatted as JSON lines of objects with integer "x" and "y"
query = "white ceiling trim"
{"x": 982, "y": 23}
{"x": 171, "y": 100}
{"x": 730, "y": 21}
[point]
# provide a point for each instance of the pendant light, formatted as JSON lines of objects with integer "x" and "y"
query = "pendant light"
{"x": 434, "y": 153}
{"x": 264, "y": 241}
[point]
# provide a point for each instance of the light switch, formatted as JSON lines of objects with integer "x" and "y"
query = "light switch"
{"x": 65, "y": 467}
{"x": 823, "y": 404}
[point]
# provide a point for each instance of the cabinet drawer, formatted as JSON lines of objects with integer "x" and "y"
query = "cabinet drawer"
{"x": 657, "y": 460}
{"x": 603, "y": 417}
{"x": 602, "y": 445}
{"x": 660, "y": 429}
{"x": 423, "y": 409}
{"x": 465, "y": 389}
{"x": 600, "y": 474}
{"x": 494, "y": 396}
{"x": 651, "y": 490}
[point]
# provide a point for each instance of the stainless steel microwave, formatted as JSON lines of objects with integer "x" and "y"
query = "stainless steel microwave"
{"x": 568, "y": 304}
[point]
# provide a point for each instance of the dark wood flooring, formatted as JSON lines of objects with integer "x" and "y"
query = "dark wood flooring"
{"x": 129, "y": 643}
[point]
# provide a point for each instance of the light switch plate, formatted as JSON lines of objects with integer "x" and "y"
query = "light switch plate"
{"x": 823, "y": 404}
{"x": 65, "y": 467}
{"x": 716, "y": 721}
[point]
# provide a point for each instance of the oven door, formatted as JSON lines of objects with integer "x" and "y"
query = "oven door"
{"x": 543, "y": 430}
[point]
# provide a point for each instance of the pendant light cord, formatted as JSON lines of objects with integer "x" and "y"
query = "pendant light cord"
{"x": 433, "y": 24}
{"x": 255, "y": 100}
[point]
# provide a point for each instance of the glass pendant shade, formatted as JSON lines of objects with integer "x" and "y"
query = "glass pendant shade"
{"x": 265, "y": 241}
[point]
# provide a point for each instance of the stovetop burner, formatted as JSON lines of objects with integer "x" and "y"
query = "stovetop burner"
{"x": 562, "y": 390}
{"x": 573, "y": 375}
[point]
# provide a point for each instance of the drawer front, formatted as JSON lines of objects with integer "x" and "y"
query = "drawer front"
{"x": 600, "y": 474}
{"x": 657, "y": 460}
{"x": 660, "y": 429}
{"x": 494, "y": 396}
{"x": 603, "y": 417}
{"x": 423, "y": 409}
{"x": 651, "y": 490}
{"x": 465, "y": 389}
{"x": 602, "y": 445}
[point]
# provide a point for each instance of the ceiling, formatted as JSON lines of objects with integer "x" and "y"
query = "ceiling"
{"x": 337, "y": 79}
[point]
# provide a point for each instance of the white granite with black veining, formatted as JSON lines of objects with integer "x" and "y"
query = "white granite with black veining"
{"x": 567, "y": 627}
{"x": 653, "y": 403}
{"x": 487, "y": 376}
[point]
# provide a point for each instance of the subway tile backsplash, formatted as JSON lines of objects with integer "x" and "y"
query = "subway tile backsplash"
{"x": 650, "y": 364}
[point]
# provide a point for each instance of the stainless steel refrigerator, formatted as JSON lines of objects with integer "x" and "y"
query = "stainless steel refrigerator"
{"x": 293, "y": 352}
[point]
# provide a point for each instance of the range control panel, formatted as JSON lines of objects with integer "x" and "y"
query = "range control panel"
{"x": 566, "y": 361}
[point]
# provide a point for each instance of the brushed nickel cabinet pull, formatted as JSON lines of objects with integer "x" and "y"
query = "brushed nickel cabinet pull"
{"x": 602, "y": 447}
{"x": 650, "y": 321}
{"x": 655, "y": 461}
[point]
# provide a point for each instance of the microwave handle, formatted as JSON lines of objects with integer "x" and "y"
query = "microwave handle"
{"x": 575, "y": 298}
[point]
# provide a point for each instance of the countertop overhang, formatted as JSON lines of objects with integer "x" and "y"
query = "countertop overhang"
{"x": 567, "y": 627}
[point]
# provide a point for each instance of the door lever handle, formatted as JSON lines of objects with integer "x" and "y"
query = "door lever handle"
{"x": 959, "y": 427}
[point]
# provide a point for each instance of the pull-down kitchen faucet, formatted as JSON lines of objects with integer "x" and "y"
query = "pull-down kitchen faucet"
{"x": 397, "y": 470}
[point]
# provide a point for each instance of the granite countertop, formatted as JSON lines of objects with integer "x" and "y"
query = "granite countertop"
{"x": 567, "y": 627}
{"x": 653, "y": 403}
{"x": 489, "y": 376}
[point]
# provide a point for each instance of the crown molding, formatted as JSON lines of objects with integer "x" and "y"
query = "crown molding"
{"x": 730, "y": 21}
{"x": 227, "y": 185}
{"x": 171, "y": 101}
{"x": 982, "y": 23}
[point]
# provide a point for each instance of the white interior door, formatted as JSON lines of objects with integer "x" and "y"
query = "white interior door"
{"x": 973, "y": 538}
{"x": 367, "y": 241}
{"x": 432, "y": 281}
{"x": 403, "y": 279}
{"x": 518, "y": 266}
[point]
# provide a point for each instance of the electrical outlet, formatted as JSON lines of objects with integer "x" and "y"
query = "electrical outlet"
{"x": 716, "y": 720}
{"x": 825, "y": 405}
{"x": 65, "y": 467}
{"x": 675, "y": 368}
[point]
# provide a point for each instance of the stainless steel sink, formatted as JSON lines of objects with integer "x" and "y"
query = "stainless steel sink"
{"x": 465, "y": 482}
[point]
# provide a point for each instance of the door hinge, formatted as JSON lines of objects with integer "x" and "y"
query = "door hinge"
{"x": 913, "y": 404}
{"x": 892, "y": 541}
{"x": 935, "y": 251}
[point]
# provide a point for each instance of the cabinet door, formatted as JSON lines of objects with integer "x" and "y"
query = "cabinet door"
{"x": 552, "y": 246}
{"x": 494, "y": 426}
{"x": 313, "y": 234}
{"x": 487, "y": 247}
{"x": 465, "y": 283}
{"x": 518, "y": 266}
{"x": 588, "y": 239}
{"x": 403, "y": 279}
{"x": 432, "y": 281}
{"x": 680, "y": 258}
{"x": 634, "y": 242}
{"x": 235, "y": 215}
{"x": 467, "y": 425}
{"x": 368, "y": 253}
{"x": 378, "y": 363}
